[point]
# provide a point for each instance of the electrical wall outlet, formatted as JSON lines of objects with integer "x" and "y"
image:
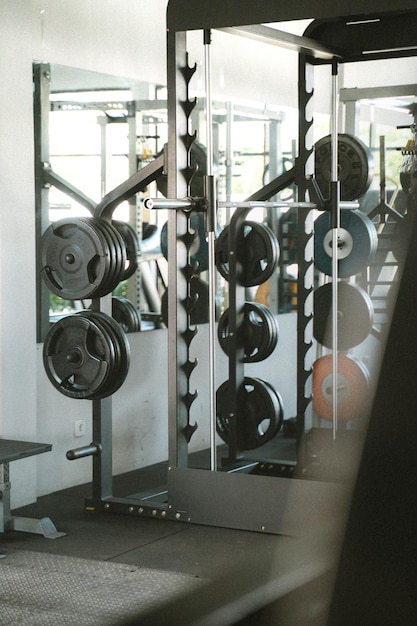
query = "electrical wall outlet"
{"x": 80, "y": 428}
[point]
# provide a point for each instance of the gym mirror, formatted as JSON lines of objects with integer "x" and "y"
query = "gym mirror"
{"x": 93, "y": 131}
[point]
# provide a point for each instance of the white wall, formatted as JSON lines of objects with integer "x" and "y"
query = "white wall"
{"x": 100, "y": 35}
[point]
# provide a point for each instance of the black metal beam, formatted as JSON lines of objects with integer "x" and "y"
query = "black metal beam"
{"x": 199, "y": 14}
{"x": 273, "y": 36}
{"x": 137, "y": 182}
{"x": 363, "y": 38}
{"x": 52, "y": 178}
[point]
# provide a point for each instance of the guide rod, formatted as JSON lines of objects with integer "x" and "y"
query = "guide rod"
{"x": 335, "y": 225}
{"x": 211, "y": 227}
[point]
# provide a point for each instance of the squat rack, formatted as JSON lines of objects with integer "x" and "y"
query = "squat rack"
{"x": 235, "y": 499}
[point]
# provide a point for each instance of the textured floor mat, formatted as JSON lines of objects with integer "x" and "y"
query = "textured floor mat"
{"x": 40, "y": 589}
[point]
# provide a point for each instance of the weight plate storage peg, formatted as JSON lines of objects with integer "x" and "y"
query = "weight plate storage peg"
{"x": 197, "y": 303}
{"x": 199, "y": 246}
{"x": 355, "y": 166}
{"x": 259, "y": 417}
{"x": 355, "y": 315}
{"x": 352, "y": 388}
{"x": 86, "y": 355}
{"x": 257, "y": 253}
{"x": 257, "y": 333}
{"x": 356, "y": 245}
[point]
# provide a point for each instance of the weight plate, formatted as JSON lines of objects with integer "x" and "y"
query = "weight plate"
{"x": 78, "y": 356}
{"x": 106, "y": 285}
{"x": 119, "y": 256}
{"x": 352, "y": 388}
{"x": 355, "y": 166}
{"x": 355, "y": 315}
{"x": 199, "y": 246}
{"x": 131, "y": 242}
{"x": 257, "y": 334}
{"x": 357, "y": 243}
{"x": 257, "y": 253}
{"x": 75, "y": 258}
{"x": 125, "y": 314}
{"x": 121, "y": 362}
{"x": 260, "y": 413}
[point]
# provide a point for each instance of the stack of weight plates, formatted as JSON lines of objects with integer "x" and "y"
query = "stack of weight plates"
{"x": 86, "y": 355}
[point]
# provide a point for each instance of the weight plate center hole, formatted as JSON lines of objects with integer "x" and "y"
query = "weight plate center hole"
{"x": 75, "y": 357}
{"x": 344, "y": 243}
{"x": 72, "y": 259}
{"x": 342, "y": 388}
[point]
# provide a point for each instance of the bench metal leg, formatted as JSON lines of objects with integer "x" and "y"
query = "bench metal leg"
{"x": 9, "y": 522}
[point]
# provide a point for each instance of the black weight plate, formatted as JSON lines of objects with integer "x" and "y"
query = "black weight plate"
{"x": 121, "y": 253}
{"x": 111, "y": 384}
{"x": 260, "y": 254}
{"x": 257, "y": 253}
{"x": 261, "y": 410}
{"x": 357, "y": 243}
{"x": 260, "y": 413}
{"x": 257, "y": 334}
{"x": 75, "y": 259}
{"x": 105, "y": 286}
{"x": 121, "y": 362}
{"x": 222, "y": 252}
{"x": 199, "y": 247}
{"x": 119, "y": 257}
{"x": 78, "y": 357}
{"x": 125, "y": 314}
{"x": 131, "y": 241}
{"x": 355, "y": 166}
{"x": 355, "y": 315}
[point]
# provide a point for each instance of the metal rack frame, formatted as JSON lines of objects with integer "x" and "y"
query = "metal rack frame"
{"x": 234, "y": 498}
{"x": 224, "y": 492}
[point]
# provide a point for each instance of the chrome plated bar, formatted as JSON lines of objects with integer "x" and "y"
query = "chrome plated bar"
{"x": 176, "y": 204}
{"x": 335, "y": 236}
{"x": 211, "y": 226}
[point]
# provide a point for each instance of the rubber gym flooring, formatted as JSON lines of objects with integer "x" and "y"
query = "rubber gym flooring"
{"x": 108, "y": 567}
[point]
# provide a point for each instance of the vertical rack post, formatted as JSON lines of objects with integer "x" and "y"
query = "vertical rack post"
{"x": 41, "y": 81}
{"x": 102, "y": 414}
{"x": 102, "y": 486}
{"x": 176, "y": 164}
{"x": 305, "y": 280}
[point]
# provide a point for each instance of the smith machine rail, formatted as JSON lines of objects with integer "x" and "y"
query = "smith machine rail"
{"x": 228, "y": 495}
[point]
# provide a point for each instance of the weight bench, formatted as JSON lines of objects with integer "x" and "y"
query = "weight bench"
{"x": 11, "y": 450}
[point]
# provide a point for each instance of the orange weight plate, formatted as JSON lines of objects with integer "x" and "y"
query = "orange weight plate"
{"x": 352, "y": 388}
